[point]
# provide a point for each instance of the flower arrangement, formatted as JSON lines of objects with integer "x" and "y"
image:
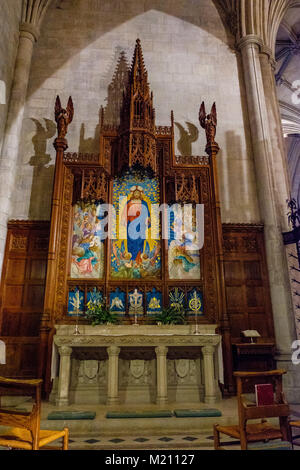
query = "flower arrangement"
{"x": 171, "y": 316}
{"x": 97, "y": 312}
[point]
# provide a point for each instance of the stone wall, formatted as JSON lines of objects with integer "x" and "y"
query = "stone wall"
{"x": 188, "y": 59}
{"x": 10, "y": 13}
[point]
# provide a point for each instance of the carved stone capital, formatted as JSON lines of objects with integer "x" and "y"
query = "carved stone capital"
{"x": 161, "y": 350}
{"x": 65, "y": 351}
{"x": 270, "y": 56}
{"x": 33, "y": 12}
{"x": 208, "y": 350}
{"x": 113, "y": 350}
{"x": 29, "y": 31}
{"x": 250, "y": 40}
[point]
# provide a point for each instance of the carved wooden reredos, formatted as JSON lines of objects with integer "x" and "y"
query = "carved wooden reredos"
{"x": 134, "y": 148}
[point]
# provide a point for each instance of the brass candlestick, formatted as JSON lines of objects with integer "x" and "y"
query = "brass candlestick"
{"x": 195, "y": 306}
{"x": 76, "y": 304}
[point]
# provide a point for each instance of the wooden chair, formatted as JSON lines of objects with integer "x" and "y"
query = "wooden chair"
{"x": 263, "y": 431}
{"x": 294, "y": 438}
{"x": 23, "y": 430}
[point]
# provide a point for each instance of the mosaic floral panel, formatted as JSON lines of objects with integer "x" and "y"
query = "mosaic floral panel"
{"x": 177, "y": 298}
{"x": 76, "y": 302}
{"x": 94, "y": 295}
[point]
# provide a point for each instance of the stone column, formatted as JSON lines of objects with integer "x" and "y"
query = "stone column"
{"x": 64, "y": 375}
{"x": 210, "y": 395}
{"x": 279, "y": 154}
{"x": 259, "y": 117}
{"x": 113, "y": 375}
{"x": 161, "y": 375}
{"x": 32, "y": 15}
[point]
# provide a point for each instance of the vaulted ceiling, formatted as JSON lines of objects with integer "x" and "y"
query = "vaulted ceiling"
{"x": 288, "y": 89}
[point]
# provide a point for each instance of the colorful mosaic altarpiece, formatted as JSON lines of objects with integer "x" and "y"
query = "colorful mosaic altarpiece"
{"x": 135, "y": 169}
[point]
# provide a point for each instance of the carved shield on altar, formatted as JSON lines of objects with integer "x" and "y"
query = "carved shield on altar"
{"x": 137, "y": 367}
{"x": 90, "y": 368}
{"x": 182, "y": 367}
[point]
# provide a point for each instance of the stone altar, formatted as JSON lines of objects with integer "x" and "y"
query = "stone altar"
{"x": 153, "y": 359}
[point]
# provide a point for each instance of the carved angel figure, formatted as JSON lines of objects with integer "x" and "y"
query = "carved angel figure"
{"x": 63, "y": 117}
{"x": 209, "y": 122}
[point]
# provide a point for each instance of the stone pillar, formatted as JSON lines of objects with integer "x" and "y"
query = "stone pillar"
{"x": 64, "y": 375}
{"x": 113, "y": 375}
{"x": 210, "y": 395}
{"x": 259, "y": 117}
{"x": 161, "y": 375}
{"x": 32, "y": 15}
{"x": 279, "y": 154}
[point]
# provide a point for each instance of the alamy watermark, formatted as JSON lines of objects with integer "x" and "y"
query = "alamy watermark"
{"x": 139, "y": 220}
{"x": 296, "y": 353}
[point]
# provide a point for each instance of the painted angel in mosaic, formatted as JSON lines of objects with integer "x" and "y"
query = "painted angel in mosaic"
{"x": 63, "y": 117}
{"x": 209, "y": 122}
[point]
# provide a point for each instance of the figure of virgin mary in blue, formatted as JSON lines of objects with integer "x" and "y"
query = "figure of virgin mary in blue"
{"x": 136, "y": 217}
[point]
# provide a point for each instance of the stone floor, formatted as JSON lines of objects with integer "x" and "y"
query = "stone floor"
{"x": 145, "y": 442}
{"x": 143, "y": 434}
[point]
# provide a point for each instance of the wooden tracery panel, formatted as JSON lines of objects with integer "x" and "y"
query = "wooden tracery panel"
{"x": 246, "y": 281}
{"x": 22, "y": 295}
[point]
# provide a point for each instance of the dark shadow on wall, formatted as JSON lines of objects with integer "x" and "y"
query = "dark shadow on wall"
{"x": 114, "y": 101}
{"x": 90, "y": 144}
{"x": 43, "y": 173}
{"x": 186, "y": 138}
{"x": 116, "y": 90}
{"x": 234, "y": 176}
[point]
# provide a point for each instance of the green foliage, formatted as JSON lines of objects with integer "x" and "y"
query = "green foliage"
{"x": 171, "y": 316}
{"x": 97, "y": 312}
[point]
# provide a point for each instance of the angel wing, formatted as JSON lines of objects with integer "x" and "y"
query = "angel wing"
{"x": 51, "y": 128}
{"x": 183, "y": 132}
{"x": 70, "y": 110}
{"x": 58, "y": 108}
{"x": 202, "y": 115}
{"x": 213, "y": 114}
{"x": 193, "y": 131}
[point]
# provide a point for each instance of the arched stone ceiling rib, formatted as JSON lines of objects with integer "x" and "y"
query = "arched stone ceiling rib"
{"x": 288, "y": 68}
{"x": 256, "y": 17}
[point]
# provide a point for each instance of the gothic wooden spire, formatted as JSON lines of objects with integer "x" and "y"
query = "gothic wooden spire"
{"x": 137, "y": 127}
{"x": 138, "y": 73}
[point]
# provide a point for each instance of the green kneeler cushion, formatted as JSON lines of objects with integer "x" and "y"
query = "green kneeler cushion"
{"x": 270, "y": 445}
{"x": 208, "y": 413}
{"x": 72, "y": 415}
{"x": 140, "y": 414}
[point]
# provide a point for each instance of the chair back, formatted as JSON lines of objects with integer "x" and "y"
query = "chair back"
{"x": 279, "y": 409}
{"x": 29, "y": 420}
